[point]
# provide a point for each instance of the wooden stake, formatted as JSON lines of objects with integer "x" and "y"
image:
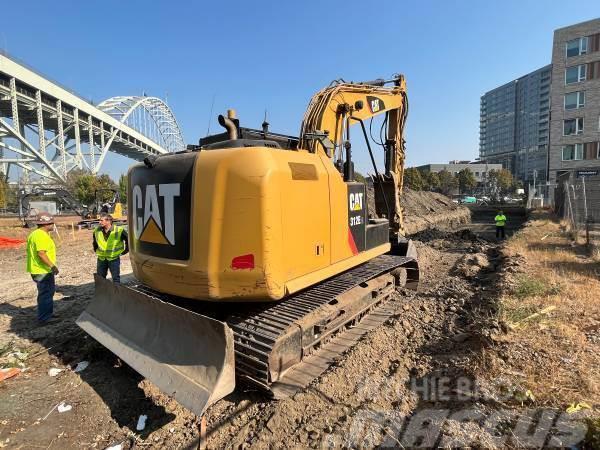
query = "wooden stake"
{"x": 56, "y": 231}
{"x": 202, "y": 429}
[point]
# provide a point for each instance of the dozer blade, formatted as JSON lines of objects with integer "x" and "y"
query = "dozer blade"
{"x": 187, "y": 355}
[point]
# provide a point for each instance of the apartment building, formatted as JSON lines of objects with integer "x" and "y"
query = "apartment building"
{"x": 575, "y": 103}
{"x": 514, "y": 125}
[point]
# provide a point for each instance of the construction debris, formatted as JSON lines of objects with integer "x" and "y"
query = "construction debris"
{"x": 63, "y": 407}
{"x": 54, "y": 371}
{"x": 141, "y": 423}
{"x": 81, "y": 366}
{"x": 9, "y": 373}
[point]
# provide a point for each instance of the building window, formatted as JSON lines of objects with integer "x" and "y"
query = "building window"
{"x": 572, "y": 152}
{"x": 575, "y": 74}
{"x": 577, "y": 47}
{"x": 573, "y": 126}
{"x": 575, "y": 100}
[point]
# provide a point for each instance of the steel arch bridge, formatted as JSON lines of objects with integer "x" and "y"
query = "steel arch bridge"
{"x": 150, "y": 116}
{"x": 47, "y": 130}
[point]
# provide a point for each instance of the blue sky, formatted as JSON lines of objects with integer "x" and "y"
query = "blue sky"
{"x": 255, "y": 55}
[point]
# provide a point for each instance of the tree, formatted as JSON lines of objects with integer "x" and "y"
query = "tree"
{"x": 413, "y": 179}
{"x": 433, "y": 181}
{"x": 105, "y": 183}
{"x": 123, "y": 188}
{"x": 3, "y": 191}
{"x": 84, "y": 184}
{"x": 84, "y": 188}
{"x": 448, "y": 182}
{"x": 466, "y": 181}
{"x": 501, "y": 182}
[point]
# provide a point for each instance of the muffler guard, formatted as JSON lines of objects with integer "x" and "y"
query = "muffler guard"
{"x": 186, "y": 355}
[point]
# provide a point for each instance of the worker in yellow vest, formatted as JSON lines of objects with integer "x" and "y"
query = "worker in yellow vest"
{"x": 500, "y": 220}
{"x": 110, "y": 242}
{"x": 41, "y": 264}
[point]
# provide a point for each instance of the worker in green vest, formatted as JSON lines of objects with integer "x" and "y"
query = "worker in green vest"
{"x": 41, "y": 264}
{"x": 500, "y": 220}
{"x": 110, "y": 242}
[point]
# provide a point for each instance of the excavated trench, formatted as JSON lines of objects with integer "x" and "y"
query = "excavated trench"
{"x": 436, "y": 333}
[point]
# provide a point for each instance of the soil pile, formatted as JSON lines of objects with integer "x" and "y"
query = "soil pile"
{"x": 424, "y": 210}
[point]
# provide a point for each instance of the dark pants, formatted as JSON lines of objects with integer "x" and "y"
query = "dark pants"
{"x": 500, "y": 232}
{"x": 102, "y": 268}
{"x": 46, "y": 288}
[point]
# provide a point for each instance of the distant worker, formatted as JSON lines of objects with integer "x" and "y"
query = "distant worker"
{"x": 110, "y": 242}
{"x": 41, "y": 264}
{"x": 500, "y": 220}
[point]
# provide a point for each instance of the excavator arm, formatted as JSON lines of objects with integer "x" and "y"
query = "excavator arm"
{"x": 326, "y": 128}
{"x": 61, "y": 195}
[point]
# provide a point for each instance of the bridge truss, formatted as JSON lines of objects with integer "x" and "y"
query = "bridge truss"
{"x": 46, "y": 130}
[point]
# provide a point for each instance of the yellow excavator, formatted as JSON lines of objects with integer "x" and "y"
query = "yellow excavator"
{"x": 256, "y": 255}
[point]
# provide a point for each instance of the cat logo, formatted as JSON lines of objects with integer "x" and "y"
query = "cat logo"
{"x": 375, "y": 104}
{"x": 149, "y": 224}
{"x": 356, "y": 201}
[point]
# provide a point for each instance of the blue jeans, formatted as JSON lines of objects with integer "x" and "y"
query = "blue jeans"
{"x": 46, "y": 288}
{"x": 102, "y": 268}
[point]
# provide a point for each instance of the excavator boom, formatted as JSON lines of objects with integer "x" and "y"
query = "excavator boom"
{"x": 333, "y": 110}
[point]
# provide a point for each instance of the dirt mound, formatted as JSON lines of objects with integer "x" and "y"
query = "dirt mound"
{"x": 424, "y": 210}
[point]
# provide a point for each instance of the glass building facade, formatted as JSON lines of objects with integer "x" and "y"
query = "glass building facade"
{"x": 514, "y": 128}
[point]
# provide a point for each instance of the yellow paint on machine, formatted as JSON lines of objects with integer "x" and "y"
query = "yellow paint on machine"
{"x": 248, "y": 201}
{"x": 153, "y": 234}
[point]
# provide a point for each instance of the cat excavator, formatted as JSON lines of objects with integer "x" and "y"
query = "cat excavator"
{"x": 257, "y": 257}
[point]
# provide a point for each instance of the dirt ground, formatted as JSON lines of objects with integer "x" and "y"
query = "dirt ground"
{"x": 427, "y": 377}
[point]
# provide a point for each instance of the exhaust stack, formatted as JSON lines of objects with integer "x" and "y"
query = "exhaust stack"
{"x": 229, "y": 124}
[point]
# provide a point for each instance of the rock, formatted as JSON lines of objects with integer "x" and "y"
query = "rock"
{"x": 427, "y": 318}
{"x": 460, "y": 337}
{"x": 314, "y": 435}
{"x": 274, "y": 422}
{"x": 480, "y": 260}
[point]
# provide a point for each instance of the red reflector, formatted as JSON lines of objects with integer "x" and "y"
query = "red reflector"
{"x": 243, "y": 262}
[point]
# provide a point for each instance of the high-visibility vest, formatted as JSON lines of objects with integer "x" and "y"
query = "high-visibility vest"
{"x": 109, "y": 248}
{"x": 500, "y": 220}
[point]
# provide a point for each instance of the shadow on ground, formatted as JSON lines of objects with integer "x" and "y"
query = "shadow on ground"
{"x": 115, "y": 382}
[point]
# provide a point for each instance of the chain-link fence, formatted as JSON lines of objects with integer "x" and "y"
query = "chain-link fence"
{"x": 579, "y": 204}
{"x": 539, "y": 195}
